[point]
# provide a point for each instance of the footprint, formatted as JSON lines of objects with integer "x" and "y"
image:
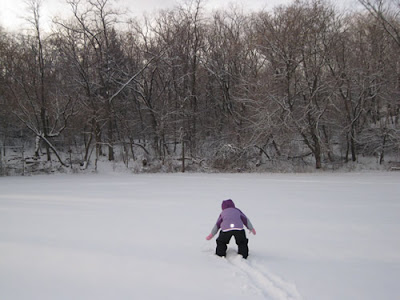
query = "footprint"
{"x": 270, "y": 285}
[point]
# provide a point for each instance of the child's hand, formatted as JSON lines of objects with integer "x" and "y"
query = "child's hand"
{"x": 209, "y": 237}
{"x": 253, "y": 231}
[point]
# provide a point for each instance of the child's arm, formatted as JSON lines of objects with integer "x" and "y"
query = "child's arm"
{"x": 251, "y": 227}
{"x": 215, "y": 229}
{"x": 213, "y": 232}
{"x": 247, "y": 223}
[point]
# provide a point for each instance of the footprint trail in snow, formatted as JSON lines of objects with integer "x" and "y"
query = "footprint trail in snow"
{"x": 269, "y": 285}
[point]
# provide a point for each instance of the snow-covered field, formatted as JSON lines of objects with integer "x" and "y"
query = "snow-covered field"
{"x": 120, "y": 236}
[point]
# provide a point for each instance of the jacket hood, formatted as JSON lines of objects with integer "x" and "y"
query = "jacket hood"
{"x": 227, "y": 204}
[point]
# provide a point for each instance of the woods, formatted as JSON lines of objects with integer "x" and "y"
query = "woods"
{"x": 188, "y": 88}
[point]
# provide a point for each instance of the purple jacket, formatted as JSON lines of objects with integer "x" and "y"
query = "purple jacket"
{"x": 231, "y": 218}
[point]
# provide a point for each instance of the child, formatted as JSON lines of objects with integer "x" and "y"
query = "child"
{"x": 231, "y": 222}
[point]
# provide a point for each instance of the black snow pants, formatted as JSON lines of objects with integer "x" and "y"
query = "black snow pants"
{"x": 240, "y": 238}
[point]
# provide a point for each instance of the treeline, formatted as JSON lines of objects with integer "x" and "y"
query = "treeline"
{"x": 303, "y": 82}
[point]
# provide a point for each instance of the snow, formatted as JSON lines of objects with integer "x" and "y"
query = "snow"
{"x": 122, "y": 236}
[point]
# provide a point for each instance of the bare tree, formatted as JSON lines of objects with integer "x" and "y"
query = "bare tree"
{"x": 93, "y": 47}
{"x": 43, "y": 111}
{"x": 295, "y": 42}
{"x": 387, "y": 13}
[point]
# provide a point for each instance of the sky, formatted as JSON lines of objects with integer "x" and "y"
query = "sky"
{"x": 12, "y": 12}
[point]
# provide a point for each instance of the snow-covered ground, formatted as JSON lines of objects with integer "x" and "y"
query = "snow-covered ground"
{"x": 120, "y": 236}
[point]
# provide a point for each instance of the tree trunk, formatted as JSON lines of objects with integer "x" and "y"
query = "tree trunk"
{"x": 317, "y": 153}
{"x": 110, "y": 141}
